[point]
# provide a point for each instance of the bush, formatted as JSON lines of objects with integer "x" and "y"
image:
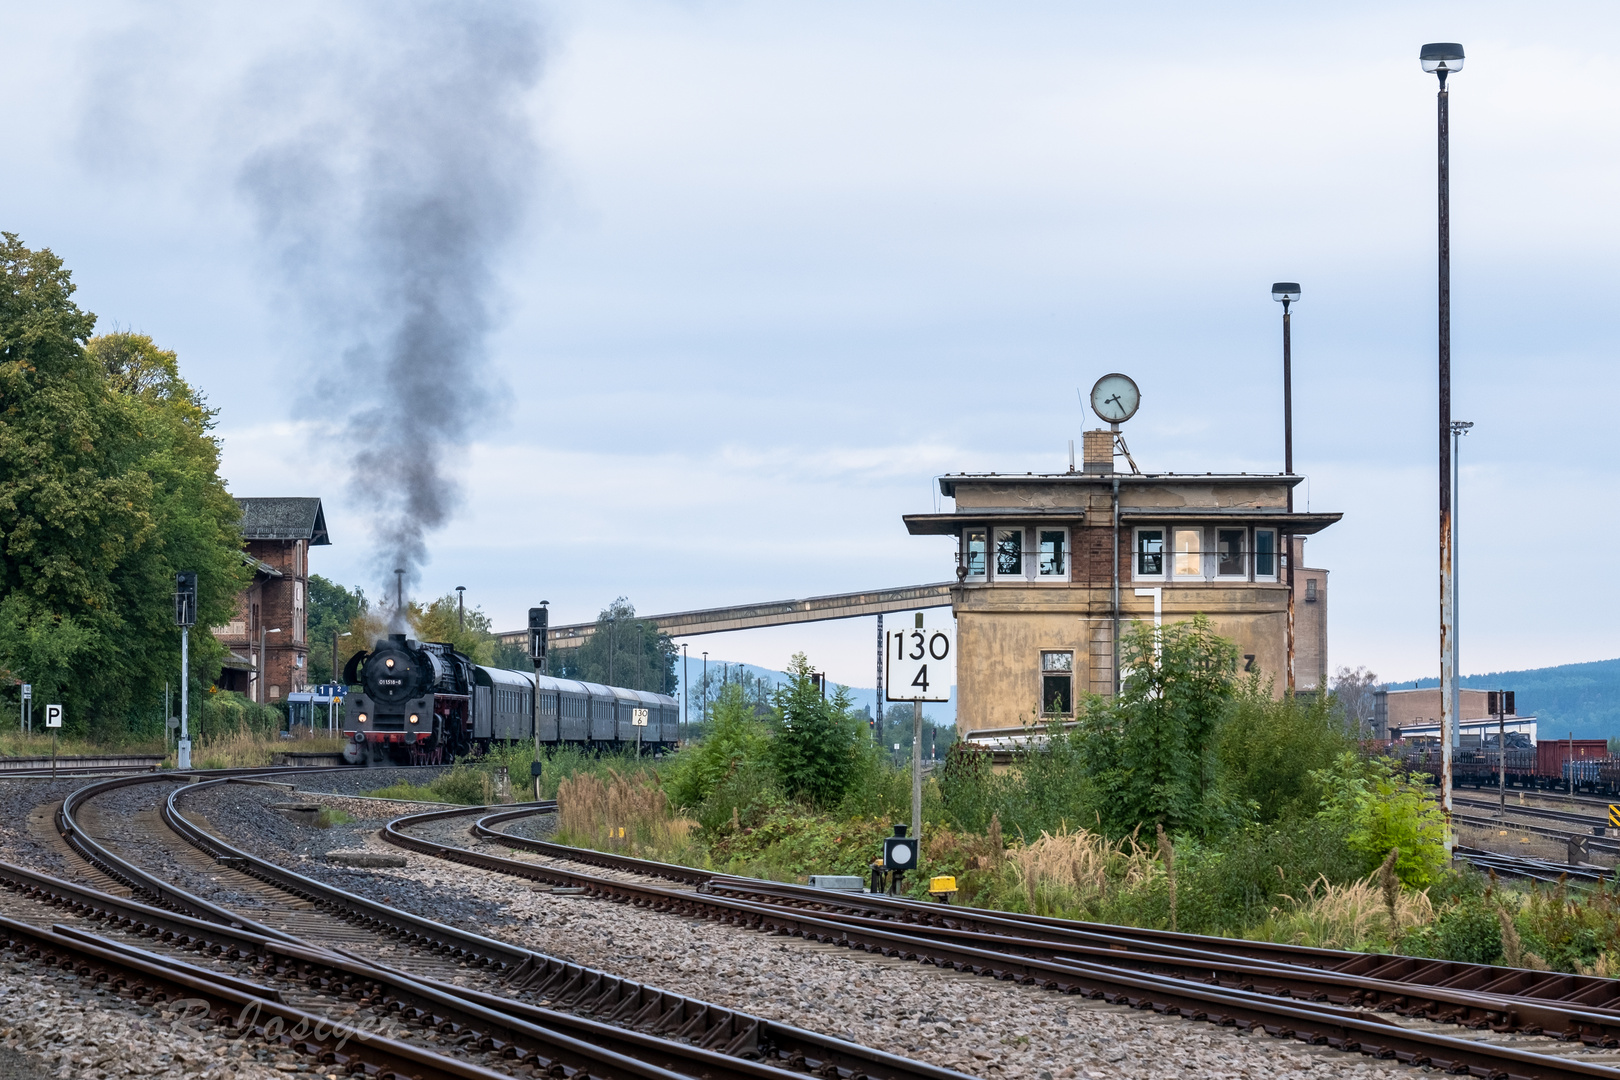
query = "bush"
{"x": 1378, "y": 811}
{"x": 1468, "y": 931}
{"x": 736, "y": 740}
{"x": 816, "y": 743}
{"x": 1268, "y": 751}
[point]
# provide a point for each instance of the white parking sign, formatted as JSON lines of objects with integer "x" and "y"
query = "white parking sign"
{"x": 53, "y": 716}
{"x": 919, "y": 664}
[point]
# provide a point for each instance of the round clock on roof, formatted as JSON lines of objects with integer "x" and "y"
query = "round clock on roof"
{"x": 1115, "y": 398}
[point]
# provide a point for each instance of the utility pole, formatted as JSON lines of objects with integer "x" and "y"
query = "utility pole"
{"x": 185, "y": 616}
{"x": 686, "y": 694}
{"x": 1459, "y": 428}
{"x": 1287, "y": 293}
{"x": 877, "y": 722}
{"x": 1442, "y": 59}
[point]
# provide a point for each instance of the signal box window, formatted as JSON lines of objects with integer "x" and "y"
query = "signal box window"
{"x": 1265, "y": 554}
{"x": 1057, "y": 683}
{"x": 1052, "y": 557}
{"x": 1150, "y": 553}
{"x": 1189, "y": 553}
{"x": 975, "y": 552}
{"x": 1229, "y": 561}
{"x": 1009, "y": 553}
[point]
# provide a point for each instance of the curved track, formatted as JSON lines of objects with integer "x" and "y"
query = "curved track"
{"x": 715, "y": 1042}
{"x": 1205, "y": 978}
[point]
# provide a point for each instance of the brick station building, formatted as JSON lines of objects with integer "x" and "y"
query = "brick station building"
{"x": 277, "y": 535}
{"x": 1037, "y": 559}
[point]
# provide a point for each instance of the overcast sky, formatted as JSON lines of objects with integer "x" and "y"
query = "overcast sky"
{"x": 778, "y": 266}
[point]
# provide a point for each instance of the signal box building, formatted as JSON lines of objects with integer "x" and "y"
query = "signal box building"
{"x": 263, "y": 663}
{"x": 1049, "y": 564}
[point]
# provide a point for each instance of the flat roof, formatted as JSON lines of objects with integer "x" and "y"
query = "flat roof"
{"x": 948, "y": 482}
{"x": 952, "y": 523}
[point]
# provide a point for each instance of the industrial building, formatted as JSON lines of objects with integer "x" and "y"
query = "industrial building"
{"x": 1051, "y": 568}
{"x": 268, "y": 639}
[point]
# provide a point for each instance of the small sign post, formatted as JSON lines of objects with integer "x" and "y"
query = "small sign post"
{"x": 638, "y": 720}
{"x": 920, "y": 666}
{"x": 28, "y": 706}
{"x": 53, "y": 720}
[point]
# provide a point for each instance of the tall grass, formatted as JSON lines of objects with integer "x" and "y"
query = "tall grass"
{"x": 624, "y": 812}
{"x": 238, "y": 748}
{"x": 1352, "y": 916}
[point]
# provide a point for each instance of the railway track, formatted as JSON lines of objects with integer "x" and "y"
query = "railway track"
{"x": 682, "y": 1035}
{"x": 1518, "y": 866}
{"x": 1279, "y": 989}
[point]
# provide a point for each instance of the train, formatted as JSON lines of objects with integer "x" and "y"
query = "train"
{"x": 1554, "y": 764}
{"x": 424, "y": 703}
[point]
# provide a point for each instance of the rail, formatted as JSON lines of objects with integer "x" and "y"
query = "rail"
{"x": 1141, "y": 978}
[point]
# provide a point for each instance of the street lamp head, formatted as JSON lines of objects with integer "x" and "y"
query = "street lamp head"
{"x": 1441, "y": 58}
{"x": 1285, "y": 292}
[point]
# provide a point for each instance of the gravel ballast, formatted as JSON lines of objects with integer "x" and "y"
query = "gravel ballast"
{"x": 968, "y": 1023}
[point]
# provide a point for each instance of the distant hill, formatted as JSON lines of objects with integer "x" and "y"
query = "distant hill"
{"x": 1583, "y": 698}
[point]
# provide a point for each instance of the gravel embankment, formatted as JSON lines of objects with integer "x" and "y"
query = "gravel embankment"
{"x": 361, "y": 781}
{"x": 963, "y": 1022}
{"x": 54, "y": 1024}
{"x": 21, "y": 800}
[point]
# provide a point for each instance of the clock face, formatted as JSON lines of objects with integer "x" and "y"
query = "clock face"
{"x": 1115, "y": 398}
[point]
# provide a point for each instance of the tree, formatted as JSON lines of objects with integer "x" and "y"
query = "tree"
{"x": 818, "y": 742}
{"x": 1150, "y": 752}
{"x": 444, "y": 620}
{"x": 332, "y": 608}
{"x": 1353, "y": 698}
{"x": 623, "y": 651}
{"x": 109, "y": 484}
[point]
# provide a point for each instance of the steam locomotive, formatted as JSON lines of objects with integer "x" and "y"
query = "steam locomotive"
{"x": 424, "y": 703}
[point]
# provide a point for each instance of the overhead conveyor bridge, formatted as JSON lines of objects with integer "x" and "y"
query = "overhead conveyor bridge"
{"x": 718, "y": 620}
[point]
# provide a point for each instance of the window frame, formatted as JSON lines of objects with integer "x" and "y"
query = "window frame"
{"x": 1201, "y": 553}
{"x": 965, "y": 555}
{"x": 1023, "y": 553}
{"x": 1276, "y": 555}
{"x": 1244, "y": 573}
{"x": 1042, "y": 674}
{"x": 1068, "y": 556}
{"x": 1136, "y": 554}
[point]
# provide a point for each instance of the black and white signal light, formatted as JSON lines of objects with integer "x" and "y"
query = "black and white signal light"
{"x": 899, "y": 851}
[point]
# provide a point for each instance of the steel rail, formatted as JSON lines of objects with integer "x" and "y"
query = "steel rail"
{"x": 414, "y": 997}
{"x": 259, "y": 1011}
{"x": 1223, "y": 1004}
{"x": 1579, "y": 993}
{"x": 1535, "y": 869}
{"x": 613, "y": 999}
{"x": 1598, "y": 843}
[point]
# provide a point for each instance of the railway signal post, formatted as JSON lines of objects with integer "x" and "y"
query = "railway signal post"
{"x": 539, "y": 622}
{"x": 53, "y": 720}
{"x": 185, "y": 617}
{"x": 920, "y": 668}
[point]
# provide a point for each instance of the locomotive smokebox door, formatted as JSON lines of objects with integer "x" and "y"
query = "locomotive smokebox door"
{"x": 899, "y": 851}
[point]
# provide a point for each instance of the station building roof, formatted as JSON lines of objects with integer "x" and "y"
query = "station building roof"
{"x": 284, "y": 519}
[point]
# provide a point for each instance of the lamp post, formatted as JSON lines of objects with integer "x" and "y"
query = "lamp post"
{"x": 1287, "y": 294}
{"x": 1441, "y": 59}
{"x": 331, "y": 709}
{"x": 1459, "y": 428}
{"x": 461, "y": 607}
{"x": 263, "y": 665}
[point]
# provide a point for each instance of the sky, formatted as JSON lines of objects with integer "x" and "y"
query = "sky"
{"x": 765, "y": 271}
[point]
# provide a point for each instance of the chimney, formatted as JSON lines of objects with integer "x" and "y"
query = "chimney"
{"x": 1099, "y": 451}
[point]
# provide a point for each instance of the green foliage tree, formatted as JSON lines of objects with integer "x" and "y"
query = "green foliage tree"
{"x": 109, "y": 484}
{"x": 623, "y": 651}
{"x": 443, "y": 620}
{"x": 818, "y": 744}
{"x": 1149, "y": 753}
{"x": 1381, "y": 810}
{"x": 332, "y": 610}
{"x": 1269, "y": 751}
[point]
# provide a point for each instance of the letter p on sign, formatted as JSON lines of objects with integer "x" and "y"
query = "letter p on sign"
{"x": 53, "y": 716}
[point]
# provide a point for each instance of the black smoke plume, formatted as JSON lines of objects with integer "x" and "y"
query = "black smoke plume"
{"x": 399, "y": 168}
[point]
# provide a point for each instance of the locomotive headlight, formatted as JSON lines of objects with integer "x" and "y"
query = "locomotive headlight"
{"x": 388, "y": 662}
{"x": 362, "y": 718}
{"x": 414, "y": 718}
